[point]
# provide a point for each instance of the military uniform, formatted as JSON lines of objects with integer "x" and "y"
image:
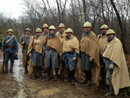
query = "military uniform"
{"x": 102, "y": 41}
{"x": 24, "y": 43}
{"x": 114, "y": 58}
{"x": 62, "y": 35}
{"x": 52, "y": 52}
{"x": 89, "y": 48}
{"x": 70, "y": 50}
{"x": 9, "y": 50}
{"x": 37, "y": 54}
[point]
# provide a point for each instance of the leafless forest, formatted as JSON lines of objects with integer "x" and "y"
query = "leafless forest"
{"x": 73, "y": 13}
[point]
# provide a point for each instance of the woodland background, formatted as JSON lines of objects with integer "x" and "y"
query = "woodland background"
{"x": 73, "y": 13}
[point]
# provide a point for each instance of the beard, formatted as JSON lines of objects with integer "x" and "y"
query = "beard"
{"x": 103, "y": 33}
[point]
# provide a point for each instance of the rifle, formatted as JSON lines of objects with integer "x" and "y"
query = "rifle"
{"x": 3, "y": 60}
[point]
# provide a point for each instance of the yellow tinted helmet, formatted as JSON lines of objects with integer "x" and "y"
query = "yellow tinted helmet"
{"x": 69, "y": 30}
{"x": 61, "y": 25}
{"x": 104, "y": 27}
{"x": 38, "y": 30}
{"x": 10, "y": 30}
{"x": 52, "y": 27}
{"x": 27, "y": 29}
{"x": 110, "y": 31}
{"x": 45, "y": 25}
{"x": 87, "y": 24}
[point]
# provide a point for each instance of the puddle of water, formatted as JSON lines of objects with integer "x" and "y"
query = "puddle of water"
{"x": 47, "y": 92}
{"x": 19, "y": 75}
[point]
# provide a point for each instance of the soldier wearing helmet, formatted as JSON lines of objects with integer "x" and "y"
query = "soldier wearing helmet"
{"x": 89, "y": 54}
{"x": 45, "y": 33}
{"x": 35, "y": 52}
{"x": 52, "y": 52}
{"x": 102, "y": 41}
{"x": 62, "y": 34}
{"x": 70, "y": 54}
{"x": 45, "y": 28}
{"x": 9, "y": 50}
{"x": 24, "y": 42}
{"x": 114, "y": 58}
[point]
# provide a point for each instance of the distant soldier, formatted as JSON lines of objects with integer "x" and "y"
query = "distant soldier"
{"x": 89, "y": 54}
{"x": 114, "y": 58}
{"x": 45, "y": 30}
{"x": 45, "y": 33}
{"x": 24, "y": 43}
{"x": 70, "y": 54}
{"x": 9, "y": 49}
{"x": 102, "y": 41}
{"x": 36, "y": 53}
{"x": 52, "y": 52}
{"x": 61, "y": 33}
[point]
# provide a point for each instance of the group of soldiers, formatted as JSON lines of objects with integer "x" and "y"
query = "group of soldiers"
{"x": 61, "y": 51}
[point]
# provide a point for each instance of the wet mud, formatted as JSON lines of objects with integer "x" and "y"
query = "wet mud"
{"x": 19, "y": 85}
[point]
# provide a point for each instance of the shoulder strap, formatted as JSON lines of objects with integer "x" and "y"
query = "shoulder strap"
{"x": 7, "y": 41}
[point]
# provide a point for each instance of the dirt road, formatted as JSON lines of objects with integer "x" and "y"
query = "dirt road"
{"x": 18, "y": 85}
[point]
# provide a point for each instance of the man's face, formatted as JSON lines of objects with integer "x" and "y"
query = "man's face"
{"x": 28, "y": 32}
{"x": 104, "y": 31}
{"x": 62, "y": 29}
{"x": 10, "y": 33}
{"x": 110, "y": 36}
{"x": 86, "y": 29}
{"x": 38, "y": 33}
{"x": 45, "y": 30}
{"x": 68, "y": 34}
{"x": 52, "y": 31}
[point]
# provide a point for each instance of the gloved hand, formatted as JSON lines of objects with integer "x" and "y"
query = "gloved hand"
{"x": 111, "y": 66}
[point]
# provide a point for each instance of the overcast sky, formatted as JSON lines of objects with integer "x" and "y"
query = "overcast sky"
{"x": 13, "y": 8}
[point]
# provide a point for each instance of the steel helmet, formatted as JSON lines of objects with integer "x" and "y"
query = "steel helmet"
{"x": 87, "y": 24}
{"x": 10, "y": 30}
{"x": 69, "y": 30}
{"x": 45, "y": 25}
{"x": 38, "y": 30}
{"x": 110, "y": 31}
{"x": 52, "y": 27}
{"x": 61, "y": 25}
{"x": 104, "y": 27}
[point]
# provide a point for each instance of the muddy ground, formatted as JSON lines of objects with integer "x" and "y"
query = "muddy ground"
{"x": 18, "y": 85}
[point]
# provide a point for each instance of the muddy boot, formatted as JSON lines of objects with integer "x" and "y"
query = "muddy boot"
{"x": 109, "y": 93}
{"x": 56, "y": 77}
{"x": 89, "y": 83}
{"x": 72, "y": 77}
{"x": 72, "y": 82}
{"x": 34, "y": 77}
{"x": 84, "y": 81}
{"x": 26, "y": 71}
{"x": 11, "y": 71}
{"x": 6, "y": 71}
{"x": 40, "y": 76}
{"x": 48, "y": 73}
{"x": 68, "y": 78}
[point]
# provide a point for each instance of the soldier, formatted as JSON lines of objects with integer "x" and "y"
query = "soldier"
{"x": 89, "y": 54}
{"x": 45, "y": 31}
{"x": 24, "y": 43}
{"x": 52, "y": 52}
{"x": 61, "y": 33}
{"x": 102, "y": 41}
{"x": 36, "y": 53}
{"x": 114, "y": 58}
{"x": 70, "y": 54}
{"x": 9, "y": 49}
